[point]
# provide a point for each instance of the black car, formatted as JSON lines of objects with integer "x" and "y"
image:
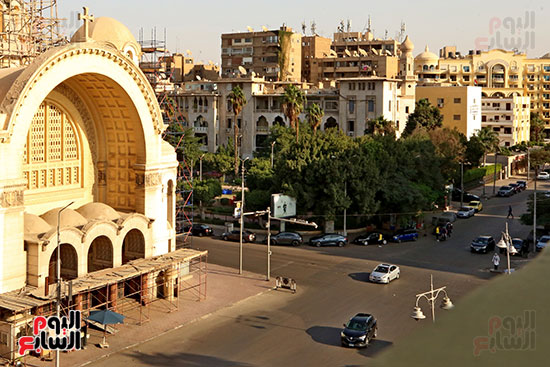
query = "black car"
{"x": 483, "y": 244}
{"x": 199, "y": 230}
{"x": 235, "y": 235}
{"x": 516, "y": 187}
{"x": 467, "y": 197}
{"x": 522, "y": 184}
{"x": 328, "y": 239}
{"x": 359, "y": 331}
{"x": 371, "y": 238}
{"x": 505, "y": 191}
{"x": 286, "y": 238}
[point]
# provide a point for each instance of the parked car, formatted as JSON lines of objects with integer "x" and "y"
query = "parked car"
{"x": 520, "y": 246}
{"x": 483, "y": 244}
{"x": 476, "y": 205}
{"x": 405, "y": 235}
{"x": 329, "y": 239}
{"x": 542, "y": 242}
{"x": 359, "y": 331}
{"x": 465, "y": 212}
{"x": 450, "y": 215}
{"x": 515, "y": 187}
{"x": 522, "y": 184}
{"x": 198, "y": 229}
{"x": 235, "y": 235}
{"x": 384, "y": 273}
{"x": 371, "y": 238}
{"x": 286, "y": 238}
{"x": 467, "y": 197}
{"x": 543, "y": 176}
{"x": 440, "y": 221}
{"x": 505, "y": 191}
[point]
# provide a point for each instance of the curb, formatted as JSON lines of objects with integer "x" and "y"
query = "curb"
{"x": 205, "y": 316}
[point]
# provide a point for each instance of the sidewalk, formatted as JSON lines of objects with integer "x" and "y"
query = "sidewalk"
{"x": 225, "y": 287}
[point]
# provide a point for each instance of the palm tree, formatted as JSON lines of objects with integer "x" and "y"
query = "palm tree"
{"x": 292, "y": 104}
{"x": 489, "y": 140}
{"x": 537, "y": 126}
{"x": 237, "y": 100}
{"x": 381, "y": 126}
{"x": 314, "y": 116}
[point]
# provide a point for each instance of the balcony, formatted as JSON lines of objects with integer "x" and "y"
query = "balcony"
{"x": 200, "y": 129}
{"x": 262, "y": 129}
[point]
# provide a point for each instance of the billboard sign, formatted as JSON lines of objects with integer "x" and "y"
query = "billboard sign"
{"x": 283, "y": 206}
{"x": 237, "y": 209}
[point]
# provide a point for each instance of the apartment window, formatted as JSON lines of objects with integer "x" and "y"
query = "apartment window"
{"x": 546, "y": 68}
{"x": 496, "y": 129}
{"x": 507, "y": 144}
{"x": 248, "y": 40}
{"x": 351, "y": 105}
{"x": 466, "y": 78}
{"x": 406, "y": 109}
{"x": 457, "y": 100}
{"x": 483, "y": 118}
{"x": 508, "y": 118}
{"x": 239, "y": 123}
{"x": 440, "y": 102}
{"x": 456, "y": 117}
{"x": 507, "y": 130}
{"x": 466, "y": 69}
{"x": 331, "y": 105}
{"x": 237, "y": 40}
{"x": 351, "y": 126}
{"x": 370, "y": 105}
{"x": 351, "y": 86}
{"x": 229, "y": 123}
{"x": 3, "y": 338}
{"x": 389, "y": 106}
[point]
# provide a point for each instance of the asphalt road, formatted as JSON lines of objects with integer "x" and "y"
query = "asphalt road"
{"x": 279, "y": 328}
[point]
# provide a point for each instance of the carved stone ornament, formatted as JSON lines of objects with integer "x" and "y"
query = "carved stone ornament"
{"x": 11, "y": 198}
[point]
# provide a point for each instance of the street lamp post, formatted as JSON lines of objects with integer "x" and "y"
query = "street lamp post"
{"x": 58, "y": 274}
{"x": 535, "y": 212}
{"x": 241, "y": 218}
{"x": 345, "y": 208}
{"x": 272, "y": 145}
{"x": 431, "y": 297}
{"x": 495, "y": 174}
{"x": 461, "y": 184}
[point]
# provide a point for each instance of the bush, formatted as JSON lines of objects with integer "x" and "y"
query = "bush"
{"x": 224, "y": 201}
{"x": 477, "y": 174}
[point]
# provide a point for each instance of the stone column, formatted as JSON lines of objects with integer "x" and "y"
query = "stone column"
{"x": 170, "y": 276}
{"x": 113, "y": 288}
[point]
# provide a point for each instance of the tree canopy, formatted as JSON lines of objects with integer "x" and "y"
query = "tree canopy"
{"x": 424, "y": 115}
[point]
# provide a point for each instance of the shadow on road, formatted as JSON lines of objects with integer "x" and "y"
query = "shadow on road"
{"x": 325, "y": 335}
{"x": 375, "y": 347}
{"x": 362, "y": 277}
{"x": 183, "y": 359}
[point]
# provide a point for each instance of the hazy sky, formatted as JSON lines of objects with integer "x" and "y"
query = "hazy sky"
{"x": 197, "y": 25}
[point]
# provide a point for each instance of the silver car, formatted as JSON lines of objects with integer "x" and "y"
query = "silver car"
{"x": 465, "y": 212}
{"x": 384, "y": 273}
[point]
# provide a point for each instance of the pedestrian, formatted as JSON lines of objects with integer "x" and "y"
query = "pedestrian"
{"x": 496, "y": 261}
{"x": 437, "y": 232}
{"x": 510, "y": 214}
{"x": 449, "y": 228}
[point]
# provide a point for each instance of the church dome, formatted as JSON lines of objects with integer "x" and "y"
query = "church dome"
{"x": 35, "y": 224}
{"x": 93, "y": 211}
{"x": 407, "y": 45}
{"x": 105, "y": 29}
{"x": 69, "y": 218}
{"x": 427, "y": 56}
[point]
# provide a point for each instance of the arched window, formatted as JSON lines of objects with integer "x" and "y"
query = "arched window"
{"x": 279, "y": 121}
{"x": 52, "y": 155}
{"x": 331, "y": 123}
{"x": 262, "y": 125}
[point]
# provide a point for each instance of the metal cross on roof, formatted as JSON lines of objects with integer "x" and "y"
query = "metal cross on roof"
{"x": 86, "y": 17}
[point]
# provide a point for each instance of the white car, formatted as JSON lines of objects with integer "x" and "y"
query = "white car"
{"x": 465, "y": 212}
{"x": 543, "y": 176}
{"x": 384, "y": 273}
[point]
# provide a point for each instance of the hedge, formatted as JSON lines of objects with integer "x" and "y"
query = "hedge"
{"x": 477, "y": 174}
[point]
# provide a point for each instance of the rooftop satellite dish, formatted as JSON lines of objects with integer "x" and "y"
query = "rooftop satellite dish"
{"x": 198, "y": 77}
{"x": 250, "y": 29}
{"x": 264, "y": 28}
{"x": 242, "y": 70}
{"x": 253, "y": 74}
{"x": 388, "y": 52}
{"x": 355, "y": 54}
{"x": 346, "y": 51}
{"x": 333, "y": 53}
{"x": 188, "y": 52}
{"x": 210, "y": 62}
{"x": 375, "y": 51}
{"x": 363, "y": 52}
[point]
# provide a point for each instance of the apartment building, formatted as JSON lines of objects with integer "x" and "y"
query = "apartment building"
{"x": 273, "y": 54}
{"x": 313, "y": 48}
{"x": 491, "y": 69}
{"x": 355, "y": 54}
{"x": 460, "y": 106}
{"x": 506, "y": 112}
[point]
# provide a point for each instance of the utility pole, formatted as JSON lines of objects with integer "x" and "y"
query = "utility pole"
{"x": 535, "y": 213}
{"x": 345, "y": 208}
{"x": 272, "y": 145}
{"x": 268, "y": 242}
{"x": 200, "y": 167}
{"x": 495, "y": 174}
{"x": 241, "y": 219}
{"x": 58, "y": 275}
{"x": 461, "y": 184}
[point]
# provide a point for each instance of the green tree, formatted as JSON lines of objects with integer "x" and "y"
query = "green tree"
{"x": 537, "y": 127}
{"x": 474, "y": 150}
{"x": 222, "y": 160}
{"x": 292, "y": 105}
{"x": 380, "y": 126}
{"x": 425, "y": 115}
{"x": 314, "y": 116}
{"x": 237, "y": 100}
{"x": 185, "y": 143}
{"x": 205, "y": 191}
{"x": 489, "y": 140}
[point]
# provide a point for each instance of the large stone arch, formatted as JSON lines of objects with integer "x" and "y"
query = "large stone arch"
{"x": 69, "y": 263}
{"x": 100, "y": 254}
{"x": 133, "y": 246}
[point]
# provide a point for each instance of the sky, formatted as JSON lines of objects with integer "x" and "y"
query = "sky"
{"x": 198, "y": 25}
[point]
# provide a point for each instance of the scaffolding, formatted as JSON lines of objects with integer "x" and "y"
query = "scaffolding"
{"x": 28, "y": 28}
{"x": 156, "y": 64}
{"x": 132, "y": 290}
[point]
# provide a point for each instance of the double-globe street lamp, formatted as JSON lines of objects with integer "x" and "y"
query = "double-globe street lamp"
{"x": 431, "y": 297}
